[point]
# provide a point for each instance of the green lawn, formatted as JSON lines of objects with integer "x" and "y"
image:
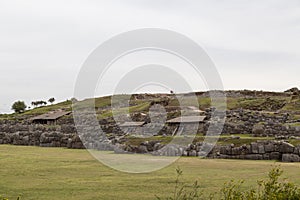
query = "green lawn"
{"x": 57, "y": 173}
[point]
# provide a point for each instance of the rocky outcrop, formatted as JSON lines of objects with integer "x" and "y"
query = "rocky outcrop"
{"x": 294, "y": 91}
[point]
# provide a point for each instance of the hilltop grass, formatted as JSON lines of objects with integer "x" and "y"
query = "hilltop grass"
{"x": 66, "y": 105}
{"x": 297, "y": 124}
{"x": 255, "y": 103}
{"x": 102, "y": 104}
{"x": 296, "y": 117}
{"x": 57, "y": 173}
{"x": 293, "y": 105}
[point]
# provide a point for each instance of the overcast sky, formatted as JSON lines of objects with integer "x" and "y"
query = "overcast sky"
{"x": 254, "y": 44}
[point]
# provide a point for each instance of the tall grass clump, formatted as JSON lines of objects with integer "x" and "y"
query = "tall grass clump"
{"x": 272, "y": 188}
{"x": 183, "y": 191}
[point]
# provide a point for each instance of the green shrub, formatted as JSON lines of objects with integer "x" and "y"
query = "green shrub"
{"x": 19, "y": 106}
{"x": 272, "y": 188}
{"x": 183, "y": 191}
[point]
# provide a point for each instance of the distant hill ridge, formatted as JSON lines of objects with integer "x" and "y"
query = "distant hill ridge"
{"x": 288, "y": 100}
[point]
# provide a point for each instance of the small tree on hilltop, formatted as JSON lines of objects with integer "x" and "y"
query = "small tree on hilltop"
{"x": 34, "y": 103}
{"x": 51, "y": 100}
{"x": 43, "y": 103}
{"x": 19, "y": 106}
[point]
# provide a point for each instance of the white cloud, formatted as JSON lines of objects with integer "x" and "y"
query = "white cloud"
{"x": 43, "y": 43}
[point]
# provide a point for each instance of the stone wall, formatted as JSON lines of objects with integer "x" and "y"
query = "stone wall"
{"x": 237, "y": 122}
{"x": 247, "y": 122}
{"x": 261, "y": 150}
{"x": 259, "y": 123}
{"x": 64, "y": 135}
{"x": 24, "y": 133}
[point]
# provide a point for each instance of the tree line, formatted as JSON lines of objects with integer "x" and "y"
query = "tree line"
{"x": 20, "y": 106}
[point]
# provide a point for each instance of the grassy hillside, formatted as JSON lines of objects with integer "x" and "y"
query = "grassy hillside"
{"x": 66, "y": 105}
{"x": 141, "y": 103}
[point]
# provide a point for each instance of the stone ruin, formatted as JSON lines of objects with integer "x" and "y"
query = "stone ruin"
{"x": 64, "y": 134}
{"x": 260, "y": 150}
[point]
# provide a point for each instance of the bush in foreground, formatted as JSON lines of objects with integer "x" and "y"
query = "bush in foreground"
{"x": 272, "y": 188}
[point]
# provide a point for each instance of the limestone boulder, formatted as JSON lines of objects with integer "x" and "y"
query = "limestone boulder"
{"x": 290, "y": 158}
{"x": 286, "y": 147}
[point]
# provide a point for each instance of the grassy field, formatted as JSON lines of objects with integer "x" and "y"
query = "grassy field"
{"x": 57, "y": 173}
